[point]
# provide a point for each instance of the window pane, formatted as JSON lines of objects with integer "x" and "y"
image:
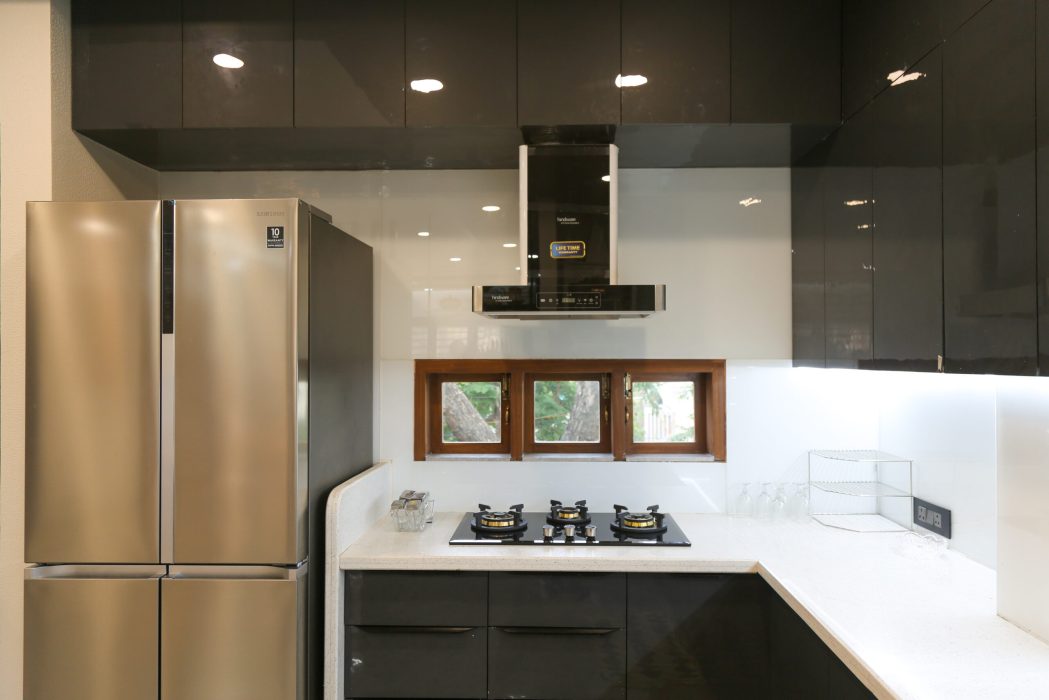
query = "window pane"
{"x": 567, "y": 411}
{"x": 471, "y": 411}
{"x": 664, "y": 411}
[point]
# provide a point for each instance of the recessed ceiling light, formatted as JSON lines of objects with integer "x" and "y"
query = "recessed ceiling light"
{"x": 623, "y": 81}
{"x": 490, "y": 207}
{"x": 226, "y": 61}
{"x": 606, "y": 178}
{"x": 509, "y": 245}
{"x": 427, "y": 85}
{"x": 455, "y": 259}
{"x": 424, "y": 234}
{"x": 749, "y": 202}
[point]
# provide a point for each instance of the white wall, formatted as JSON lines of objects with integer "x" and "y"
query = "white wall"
{"x": 25, "y": 174}
{"x": 1023, "y": 503}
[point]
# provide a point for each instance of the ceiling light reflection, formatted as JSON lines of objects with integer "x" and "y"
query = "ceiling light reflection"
{"x": 749, "y": 202}
{"x": 224, "y": 60}
{"x": 427, "y": 85}
{"x": 489, "y": 208}
{"x": 455, "y": 259}
{"x": 509, "y": 245}
{"x": 623, "y": 81}
{"x": 424, "y": 234}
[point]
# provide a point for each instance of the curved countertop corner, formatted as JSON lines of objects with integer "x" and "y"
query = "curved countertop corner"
{"x": 910, "y": 618}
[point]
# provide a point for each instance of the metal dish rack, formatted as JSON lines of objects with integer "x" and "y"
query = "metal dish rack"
{"x": 861, "y": 490}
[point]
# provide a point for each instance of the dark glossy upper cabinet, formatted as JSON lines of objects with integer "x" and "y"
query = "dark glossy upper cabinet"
{"x": 954, "y": 13}
{"x": 881, "y": 39}
{"x": 989, "y": 192}
{"x": 568, "y": 57}
{"x": 349, "y": 63}
{"x": 127, "y": 64}
{"x": 908, "y": 225}
{"x": 257, "y": 33}
{"x": 1043, "y": 187}
{"x": 848, "y": 225}
{"x": 808, "y": 280}
{"x": 786, "y": 61}
{"x": 469, "y": 46}
{"x": 682, "y": 48}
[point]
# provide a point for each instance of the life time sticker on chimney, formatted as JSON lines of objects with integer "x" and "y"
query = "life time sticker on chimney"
{"x": 568, "y": 249}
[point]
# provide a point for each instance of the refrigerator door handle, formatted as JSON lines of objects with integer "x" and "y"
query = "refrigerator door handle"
{"x": 167, "y": 384}
{"x": 209, "y": 571}
{"x": 94, "y": 571}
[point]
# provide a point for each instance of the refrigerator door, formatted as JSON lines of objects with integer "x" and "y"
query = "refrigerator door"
{"x": 240, "y": 381}
{"x": 91, "y": 634}
{"x": 92, "y": 382}
{"x": 236, "y": 633}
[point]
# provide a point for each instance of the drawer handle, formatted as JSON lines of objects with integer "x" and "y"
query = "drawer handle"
{"x": 414, "y": 630}
{"x": 559, "y": 630}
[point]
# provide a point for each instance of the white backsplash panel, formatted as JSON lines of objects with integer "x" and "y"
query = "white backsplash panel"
{"x": 727, "y": 271}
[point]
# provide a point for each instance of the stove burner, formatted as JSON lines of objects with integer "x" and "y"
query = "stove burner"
{"x": 561, "y": 515}
{"x": 499, "y": 523}
{"x": 638, "y": 524}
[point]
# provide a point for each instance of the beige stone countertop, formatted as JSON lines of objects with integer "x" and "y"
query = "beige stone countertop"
{"x": 909, "y": 617}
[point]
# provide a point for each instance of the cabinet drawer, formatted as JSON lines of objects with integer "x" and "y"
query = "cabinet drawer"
{"x": 417, "y": 598}
{"x": 557, "y": 600}
{"x": 416, "y": 662}
{"x": 556, "y": 662}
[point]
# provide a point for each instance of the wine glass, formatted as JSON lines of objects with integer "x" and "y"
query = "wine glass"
{"x": 778, "y": 505}
{"x": 744, "y": 503}
{"x": 763, "y": 504}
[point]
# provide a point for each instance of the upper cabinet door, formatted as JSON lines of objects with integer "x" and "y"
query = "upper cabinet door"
{"x": 848, "y": 224}
{"x": 681, "y": 47}
{"x": 908, "y": 224}
{"x": 349, "y": 63}
{"x": 808, "y": 280}
{"x": 786, "y": 61}
{"x": 257, "y": 36}
{"x": 989, "y": 192}
{"x": 567, "y": 62}
{"x": 469, "y": 46}
{"x": 127, "y": 64}
{"x": 1043, "y": 187}
{"x": 857, "y": 54}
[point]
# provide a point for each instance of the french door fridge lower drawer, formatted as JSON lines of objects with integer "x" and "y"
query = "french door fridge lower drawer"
{"x": 91, "y": 633}
{"x": 233, "y": 638}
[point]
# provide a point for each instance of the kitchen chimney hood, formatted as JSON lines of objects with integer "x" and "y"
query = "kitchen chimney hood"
{"x": 568, "y": 226}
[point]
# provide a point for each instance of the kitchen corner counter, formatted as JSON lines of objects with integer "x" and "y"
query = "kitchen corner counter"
{"x": 909, "y": 618}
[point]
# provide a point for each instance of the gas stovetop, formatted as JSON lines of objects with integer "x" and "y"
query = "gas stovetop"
{"x": 570, "y": 525}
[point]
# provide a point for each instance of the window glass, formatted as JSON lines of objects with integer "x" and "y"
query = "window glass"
{"x": 471, "y": 412}
{"x": 567, "y": 411}
{"x": 664, "y": 411}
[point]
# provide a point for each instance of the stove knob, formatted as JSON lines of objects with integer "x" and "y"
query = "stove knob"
{"x": 569, "y": 533}
{"x": 591, "y": 532}
{"x": 548, "y": 533}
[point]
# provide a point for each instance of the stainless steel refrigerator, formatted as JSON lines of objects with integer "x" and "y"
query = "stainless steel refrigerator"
{"x": 198, "y": 377}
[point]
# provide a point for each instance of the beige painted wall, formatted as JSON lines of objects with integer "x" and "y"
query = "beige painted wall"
{"x": 40, "y": 159}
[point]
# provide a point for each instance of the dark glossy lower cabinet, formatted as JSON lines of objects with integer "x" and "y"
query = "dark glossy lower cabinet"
{"x": 568, "y": 635}
{"x": 695, "y": 636}
{"x": 556, "y": 662}
{"x": 416, "y": 662}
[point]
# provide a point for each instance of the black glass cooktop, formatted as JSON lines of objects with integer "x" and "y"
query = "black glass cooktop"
{"x": 604, "y": 533}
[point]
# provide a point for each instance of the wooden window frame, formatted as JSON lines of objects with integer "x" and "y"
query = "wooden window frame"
{"x": 697, "y": 445}
{"x": 602, "y": 446}
{"x": 710, "y": 411}
{"x": 435, "y": 409}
